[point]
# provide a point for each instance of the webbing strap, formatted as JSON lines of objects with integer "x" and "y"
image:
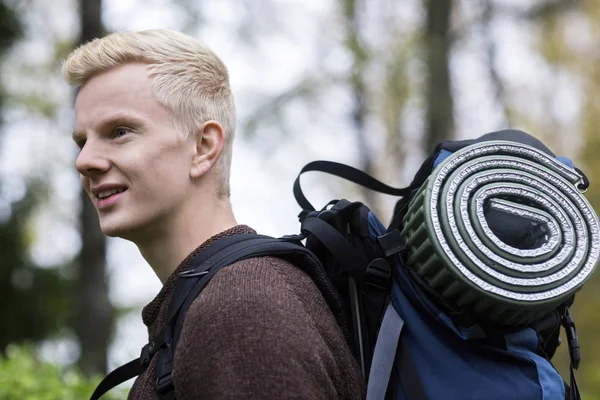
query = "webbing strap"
{"x": 118, "y": 376}
{"x": 353, "y": 261}
{"x": 574, "y": 393}
{"x": 346, "y": 172}
{"x": 384, "y": 354}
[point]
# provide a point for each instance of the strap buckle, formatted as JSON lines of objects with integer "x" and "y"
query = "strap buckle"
{"x": 378, "y": 274}
{"x": 391, "y": 243}
{"x": 294, "y": 238}
{"x": 152, "y": 347}
{"x": 146, "y": 354}
{"x": 164, "y": 383}
{"x": 572, "y": 339}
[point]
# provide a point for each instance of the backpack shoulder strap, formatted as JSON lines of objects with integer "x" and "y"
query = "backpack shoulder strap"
{"x": 384, "y": 354}
{"x": 194, "y": 280}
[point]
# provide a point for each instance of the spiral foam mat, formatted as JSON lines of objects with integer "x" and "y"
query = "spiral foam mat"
{"x": 452, "y": 247}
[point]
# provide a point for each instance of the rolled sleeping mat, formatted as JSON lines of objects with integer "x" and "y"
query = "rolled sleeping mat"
{"x": 501, "y": 230}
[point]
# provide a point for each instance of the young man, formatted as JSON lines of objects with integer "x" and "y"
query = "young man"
{"x": 155, "y": 121}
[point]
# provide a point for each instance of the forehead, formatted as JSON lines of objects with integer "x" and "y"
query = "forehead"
{"x": 126, "y": 89}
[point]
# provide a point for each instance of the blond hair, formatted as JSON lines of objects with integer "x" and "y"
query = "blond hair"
{"x": 188, "y": 78}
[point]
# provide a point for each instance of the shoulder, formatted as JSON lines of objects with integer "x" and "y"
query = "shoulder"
{"x": 250, "y": 324}
{"x": 256, "y": 288}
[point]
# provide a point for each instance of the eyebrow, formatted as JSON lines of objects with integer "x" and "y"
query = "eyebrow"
{"x": 111, "y": 122}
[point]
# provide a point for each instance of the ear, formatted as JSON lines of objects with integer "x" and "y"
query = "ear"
{"x": 210, "y": 139}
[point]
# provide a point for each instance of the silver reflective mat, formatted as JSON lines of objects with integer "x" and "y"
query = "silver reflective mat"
{"x": 453, "y": 247}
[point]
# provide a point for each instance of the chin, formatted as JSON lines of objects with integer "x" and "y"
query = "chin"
{"x": 132, "y": 230}
{"x": 115, "y": 231}
{"x": 121, "y": 229}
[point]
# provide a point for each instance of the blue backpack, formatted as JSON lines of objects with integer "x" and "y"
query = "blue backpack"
{"x": 419, "y": 329}
{"x": 462, "y": 296}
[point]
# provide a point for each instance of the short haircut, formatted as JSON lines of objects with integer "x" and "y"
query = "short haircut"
{"x": 188, "y": 78}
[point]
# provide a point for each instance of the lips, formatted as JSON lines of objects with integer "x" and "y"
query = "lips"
{"x": 107, "y": 202}
{"x": 106, "y": 195}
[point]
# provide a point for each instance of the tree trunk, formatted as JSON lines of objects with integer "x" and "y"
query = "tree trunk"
{"x": 487, "y": 17}
{"x": 91, "y": 20}
{"x": 440, "y": 107}
{"x": 357, "y": 84}
{"x": 95, "y": 314}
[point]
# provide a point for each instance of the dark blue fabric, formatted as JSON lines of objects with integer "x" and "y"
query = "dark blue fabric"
{"x": 445, "y": 153}
{"x": 454, "y": 362}
{"x": 524, "y": 343}
{"x": 376, "y": 228}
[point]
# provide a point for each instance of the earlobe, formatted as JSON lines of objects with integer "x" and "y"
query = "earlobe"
{"x": 210, "y": 139}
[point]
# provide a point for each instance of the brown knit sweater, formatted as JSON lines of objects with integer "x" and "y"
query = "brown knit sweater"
{"x": 259, "y": 330}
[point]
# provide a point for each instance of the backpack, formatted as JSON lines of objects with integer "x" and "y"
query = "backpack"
{"x": 424, "y": 318}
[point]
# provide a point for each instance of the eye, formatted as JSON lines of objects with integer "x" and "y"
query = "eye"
{"x": 80, "y": 144}
{"x": 119, "y": 132}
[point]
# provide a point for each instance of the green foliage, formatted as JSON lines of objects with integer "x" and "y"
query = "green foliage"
{"x": 24, "y": 377}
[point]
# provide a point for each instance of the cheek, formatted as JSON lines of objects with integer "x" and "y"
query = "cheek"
{"x": 161, "y": 174}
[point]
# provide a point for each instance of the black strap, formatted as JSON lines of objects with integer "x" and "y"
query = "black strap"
{"x": 346, "y": 172}
{"x": 221, "y": 254}
{"x": 573, "y": 388}
{"x": 353, "y": 261}
{"x": 574, "y": 353}
{"x": 188, "y": 287}
{"x": 249, "y": 248}
{"x": 132, "y": 368}
{"x": 124, "y": 373}
{"x": 204, "y": 261}
{"x": 365, "y": 280}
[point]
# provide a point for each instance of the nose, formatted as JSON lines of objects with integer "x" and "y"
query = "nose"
{"x": 92, "y": 160}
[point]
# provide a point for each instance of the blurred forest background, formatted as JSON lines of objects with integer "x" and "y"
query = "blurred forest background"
{"x": 371, "y": 83}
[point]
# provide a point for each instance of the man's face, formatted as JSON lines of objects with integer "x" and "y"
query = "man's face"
{"x": 133, "y": 164}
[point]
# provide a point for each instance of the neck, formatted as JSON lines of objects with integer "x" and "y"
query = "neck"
{"x": 180, "y": 235}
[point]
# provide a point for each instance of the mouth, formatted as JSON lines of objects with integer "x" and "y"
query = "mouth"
{"x": 107, "y": 198}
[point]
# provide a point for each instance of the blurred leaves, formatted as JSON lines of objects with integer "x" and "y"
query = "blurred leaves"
{"x": 25, "y": 377}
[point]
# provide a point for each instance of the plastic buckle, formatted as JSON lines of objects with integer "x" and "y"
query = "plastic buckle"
{"x": 326, "y": 214}
{"x": 164, "y": 384}
{"x": 146, "y": 355}
{"x": 391, "y": 243}
{"x": 306, "y": 214}
{"x": 572, "y": 339}
{"x": 378, "y": 274}
{"x": 293, "y": 238}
